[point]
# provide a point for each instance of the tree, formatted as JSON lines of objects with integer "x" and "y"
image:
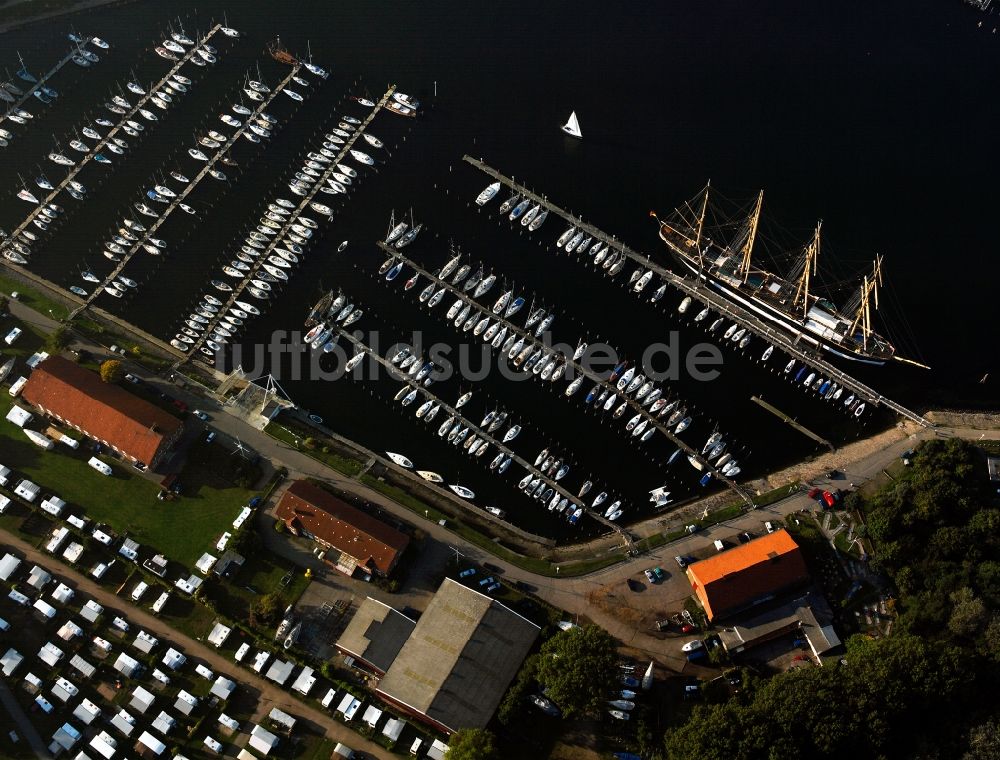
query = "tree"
{"x": 111, "y": 371}
{"x": 517, "y": 695}
{"x": 579, "y": 668}
{"x": 264, "y": 611}
{"x": 472, "y": 744}
{"x": 58, "y": 339}
{"x": 968, "y": 613}
{"x": 248, "y": 542}
{"x": 984, "y": 742}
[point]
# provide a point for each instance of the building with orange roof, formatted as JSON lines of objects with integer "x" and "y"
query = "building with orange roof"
{"x": 753, "y": 573}
{"x": 105, "y": 412}
{"x": 362, "y": 540}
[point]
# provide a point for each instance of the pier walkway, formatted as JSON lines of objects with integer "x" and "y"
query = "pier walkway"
{"x": 111, "y": 134}
{"x": 277, "y": 238}
{"x": 182, "y": 196}
{"x": 698, "y": 291}
{"x": 572, "y": 500}
{"x": 42, "y": 81}
{"x": 792, "y": 423}
{"x": 574, "y": 369}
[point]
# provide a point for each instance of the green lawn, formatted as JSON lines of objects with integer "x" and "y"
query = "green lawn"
{"x": 26, "y": 294}
{"x": 342, "y": 464}
{"x": 181, "y": 529}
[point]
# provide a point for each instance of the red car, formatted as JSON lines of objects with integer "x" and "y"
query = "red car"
{"x": 814, "y": 492}
{"x": 828, "y": 499}
{"x": 687, "y": 628}
{"x": 180, "y": 404}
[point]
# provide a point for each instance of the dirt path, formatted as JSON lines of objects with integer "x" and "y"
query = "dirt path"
{"x": 269, "y": 694}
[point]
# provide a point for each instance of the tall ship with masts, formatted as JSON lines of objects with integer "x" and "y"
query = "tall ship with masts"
{"x": 788, "y": 301}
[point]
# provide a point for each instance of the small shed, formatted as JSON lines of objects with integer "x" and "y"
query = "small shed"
{"x": 73, "y": 552}
{"x": 39, "y": 577}
{"x": 8, "y": 565}
{"x": 10, "y": 660}
{"x": 124, "y": 722}
{"x": 305, "y": 681}
{"x": 50, "y": 654}
{"x": 164, "y": 723}
{"x": 64, "y": 690}
{"x": 205, "y": 563}
{"x": 44, "y": 609}
{"x": 219, "y": 635}
{"x": 185, "y": 702}
{"x": 127, "y": 666}
{"x": 145, "y": 642}
{"x": 91, "y": 611}
{"x": 393, "y": 728}
{"x": 105, "y": 745}
{"x": 262, "y": 740}
{"x": 280, "y": 671}
{"x": 372, "y": 716}
{"x": 69, "y": 631}
{"x": 19, "y": 416}
{"x": 223, "y": 688}
{"x": 173, "y": 659}
{"x": 281, "y": 718}
{"x": 63, "y": 594}
{"x": 151, "y": 743}
{"x": 142, "y": 700}
{"x": 82, "y": 667}
{"x": 87, "y": 712}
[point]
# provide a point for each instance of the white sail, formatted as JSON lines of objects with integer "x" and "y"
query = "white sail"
{"x": 572, "y": 126}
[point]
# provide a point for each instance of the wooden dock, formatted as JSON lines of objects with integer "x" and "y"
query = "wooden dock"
{"x": 277, "y": 238}
{"x": 475, "y": 429}
{"x": 699, "y": 292}
{"x": 42, "y": 81}
{"x": 182, "y": 196}
{"x": 112, "y": 133}
{"x": 789, "y": 421}
{"x": 578, "y": 370}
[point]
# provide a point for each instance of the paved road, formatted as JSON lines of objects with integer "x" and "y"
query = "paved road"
{"x": 269, "y": 694}
{"x": 24, "y": 724}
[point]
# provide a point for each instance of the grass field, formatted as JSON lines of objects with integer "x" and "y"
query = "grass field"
{"x": 181, "y": 529}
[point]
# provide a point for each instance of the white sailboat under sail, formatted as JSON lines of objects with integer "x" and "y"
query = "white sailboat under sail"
{"x": 572, "y": 126}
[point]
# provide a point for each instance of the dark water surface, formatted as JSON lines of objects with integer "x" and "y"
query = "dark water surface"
{"x": 877, "y": 119}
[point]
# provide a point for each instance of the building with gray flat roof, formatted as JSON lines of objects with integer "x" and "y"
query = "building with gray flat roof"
{"x": 457, "y": 663}
{"x": 375, "y": 635}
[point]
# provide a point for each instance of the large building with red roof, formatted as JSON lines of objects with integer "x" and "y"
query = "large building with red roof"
{"x": 362, "y": 540}
{"x": 753, "y": 573}
{"x": 105, "y": 412}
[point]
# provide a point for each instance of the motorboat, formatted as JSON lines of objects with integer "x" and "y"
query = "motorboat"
{"x": 399, "y": 459}
{"x": 197, "y": 154}
{"x": 462, "y": 491}
{"x": 362, "y": 157}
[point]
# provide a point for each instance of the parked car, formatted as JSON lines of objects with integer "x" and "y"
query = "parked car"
{"x": 658, "y": 572}
{"x": 210, "y": 437}
{"x": 467, "y": 573}
{"x": 681, "y": 561}
{"x": 200, "y": 415}
{"x": 179, "y": 404}
{"x": 687, "y": 628}
{"x": 770, "y": 526}
{"x": 698, "y": 654}
{"x": 650, "y": 576}
{"x": 693, "y": 645}
{"x": 745, "y": 537}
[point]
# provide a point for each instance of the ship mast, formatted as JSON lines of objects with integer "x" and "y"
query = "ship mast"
{"x": 808, "y": 270}
{"x": 701, "y": 217}
{"x": 746, "y": 251}
{"x": 869, "y": 295}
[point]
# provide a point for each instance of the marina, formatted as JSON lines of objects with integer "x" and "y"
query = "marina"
{"x": 499, "y": 445}
{"x": 238, "y": 290}
{"x": 705, "y": 296}
{"x": 109, "y": 137}
{"x": 577, "y": 370}
{"x": 181, "y": 196}
{"x": 39, "y": 84}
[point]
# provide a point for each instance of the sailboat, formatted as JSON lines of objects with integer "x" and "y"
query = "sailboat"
{"x": 572, "y": 126}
